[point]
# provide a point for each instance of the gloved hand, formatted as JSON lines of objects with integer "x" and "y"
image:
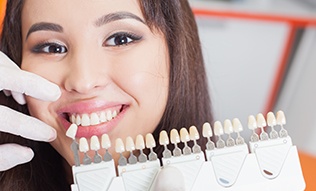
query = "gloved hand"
{"x": 169, "y": 179}
{"x": 17, "y": 82}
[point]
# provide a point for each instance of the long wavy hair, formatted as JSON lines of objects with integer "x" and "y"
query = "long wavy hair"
{"x": 188, "y": 98}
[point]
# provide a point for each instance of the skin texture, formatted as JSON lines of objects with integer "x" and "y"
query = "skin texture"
{"x": 94, "y": 73}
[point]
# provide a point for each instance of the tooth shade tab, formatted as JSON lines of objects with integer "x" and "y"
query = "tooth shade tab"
{"x": 228, "y": 127}
{"x": 150, "y": 141}
{"x": 271, "y": 120}
{"x": 119, "y": 145}
{"x": 184, "y": 135}
{"x": 140, "y": 143}
{"x": 83, "y": 145}
{"x": 163, "y": 138}
{"x": 130, "y": 146}
{"x": 105, "y": 141}
{"x": 218, "y": 128}
{"x": 194, "y": 134}
{"x": 207, "y": 130}
{"x": 252, "y": 123}
{"x": 94, "y": 143}
{"x": 280, "y": 118}
{"x": 261, "y": 122}
{"x": 237, "y": 125}
{"x": 72, "y": 131}
{"x": 174, "y": 136}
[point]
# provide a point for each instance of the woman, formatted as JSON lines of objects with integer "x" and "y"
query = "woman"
{"x": 139, "y": 61}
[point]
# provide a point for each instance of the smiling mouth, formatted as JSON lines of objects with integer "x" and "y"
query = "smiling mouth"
{"x": 94, "y": 118}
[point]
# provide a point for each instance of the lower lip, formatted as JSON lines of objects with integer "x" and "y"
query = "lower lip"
{"x": 98, "y": 130}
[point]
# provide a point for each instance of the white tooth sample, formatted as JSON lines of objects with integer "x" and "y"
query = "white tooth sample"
{"x": 108, "y": 115}
{"x": 119, "y": 145}
{"x": 207, "y": 130}
{"x": 94, "y": 119}
{"x": 184, "y": 135}
{"x": 174, "y": 136}
{"x": 163, "y": 138}
{"x": 228, "y": 127}
{"x": 103, "y": 117}
{"x": 150, "y": 141}
{"x": 261, "y": 122}
{"x": 281, "y": 121}
{"x": 140, "y": 143}
{"x": 78, "y": 120}
{"x": 237, "y": 125}
{"x": 252, "y": 123}
{"x": 94, "y": 143}
{"x": 218, "y": 128}
{"x": 130, "y": 146}
{"x": 83, "y": 145}
{"x": 73, "y": 118}
{"x": 105, "y": 141}
{"x": 271, "y": 119}
{"x": 72, "y": 131}
{"x": 280, "y": 117}
{"x": 85, "y": 120}
{"x": 194, "y": 134}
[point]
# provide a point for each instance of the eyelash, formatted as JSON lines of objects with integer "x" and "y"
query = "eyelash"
{"x": 126, "y": 39}
{"x": 130, "y": 37}
{"x": 45, "y": 48}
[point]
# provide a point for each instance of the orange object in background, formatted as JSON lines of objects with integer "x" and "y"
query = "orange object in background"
{"x": 308, "y": 164}
{"x": 2, "y": 10}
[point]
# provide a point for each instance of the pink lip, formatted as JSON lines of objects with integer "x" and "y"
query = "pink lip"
{"x": 89, "y": 107}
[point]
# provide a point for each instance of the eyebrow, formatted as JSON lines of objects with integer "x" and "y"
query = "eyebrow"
{"x": 116, "y": 16}
{"x": 99, "y": 22}
{"x": 44, "y": 26}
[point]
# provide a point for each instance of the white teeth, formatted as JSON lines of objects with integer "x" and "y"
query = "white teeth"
{"x": 93, "y": 118}
{"x": 85, "y": 120}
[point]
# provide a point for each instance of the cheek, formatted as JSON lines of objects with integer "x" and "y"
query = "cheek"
{"x": 39, "y": 109}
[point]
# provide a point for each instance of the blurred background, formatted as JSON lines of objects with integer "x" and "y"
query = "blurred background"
{"x": 260, "y": 56}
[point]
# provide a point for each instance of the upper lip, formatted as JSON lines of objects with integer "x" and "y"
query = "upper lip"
{"x": 87, "y": 107}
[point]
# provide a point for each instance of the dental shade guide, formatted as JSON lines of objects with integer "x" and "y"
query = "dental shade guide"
{"x": 268, "y": 162}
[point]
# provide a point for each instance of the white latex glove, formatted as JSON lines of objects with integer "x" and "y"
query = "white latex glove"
{"x": 18, "y": 82}
{"x": 169, "y": 179}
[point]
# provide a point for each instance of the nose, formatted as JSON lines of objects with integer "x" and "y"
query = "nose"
{"x": 84, "y": 74}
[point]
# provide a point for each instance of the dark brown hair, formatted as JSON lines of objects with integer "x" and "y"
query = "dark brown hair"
{"x": 188, "y": 102}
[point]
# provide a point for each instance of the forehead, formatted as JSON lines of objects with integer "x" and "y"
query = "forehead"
{"x": 74, "y": 11}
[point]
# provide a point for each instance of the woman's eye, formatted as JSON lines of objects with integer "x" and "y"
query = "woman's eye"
{"x": 119, "y": 39}
{"x": 50, "y": 48}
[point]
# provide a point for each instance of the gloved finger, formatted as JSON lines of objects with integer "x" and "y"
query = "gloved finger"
{"x": 18, "y": 97}
{"x": 169, "y": 179}
{"x": 6, "y": 92}
{"x": 28, "y": 127}
{"x": 15, "y": 79}
{"x": 13, "y": 154}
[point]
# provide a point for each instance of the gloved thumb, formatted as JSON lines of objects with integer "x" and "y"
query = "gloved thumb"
{"x": 169, "y": 179}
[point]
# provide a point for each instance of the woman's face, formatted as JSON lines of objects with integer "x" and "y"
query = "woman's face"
{"x": 111, "y": 67}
